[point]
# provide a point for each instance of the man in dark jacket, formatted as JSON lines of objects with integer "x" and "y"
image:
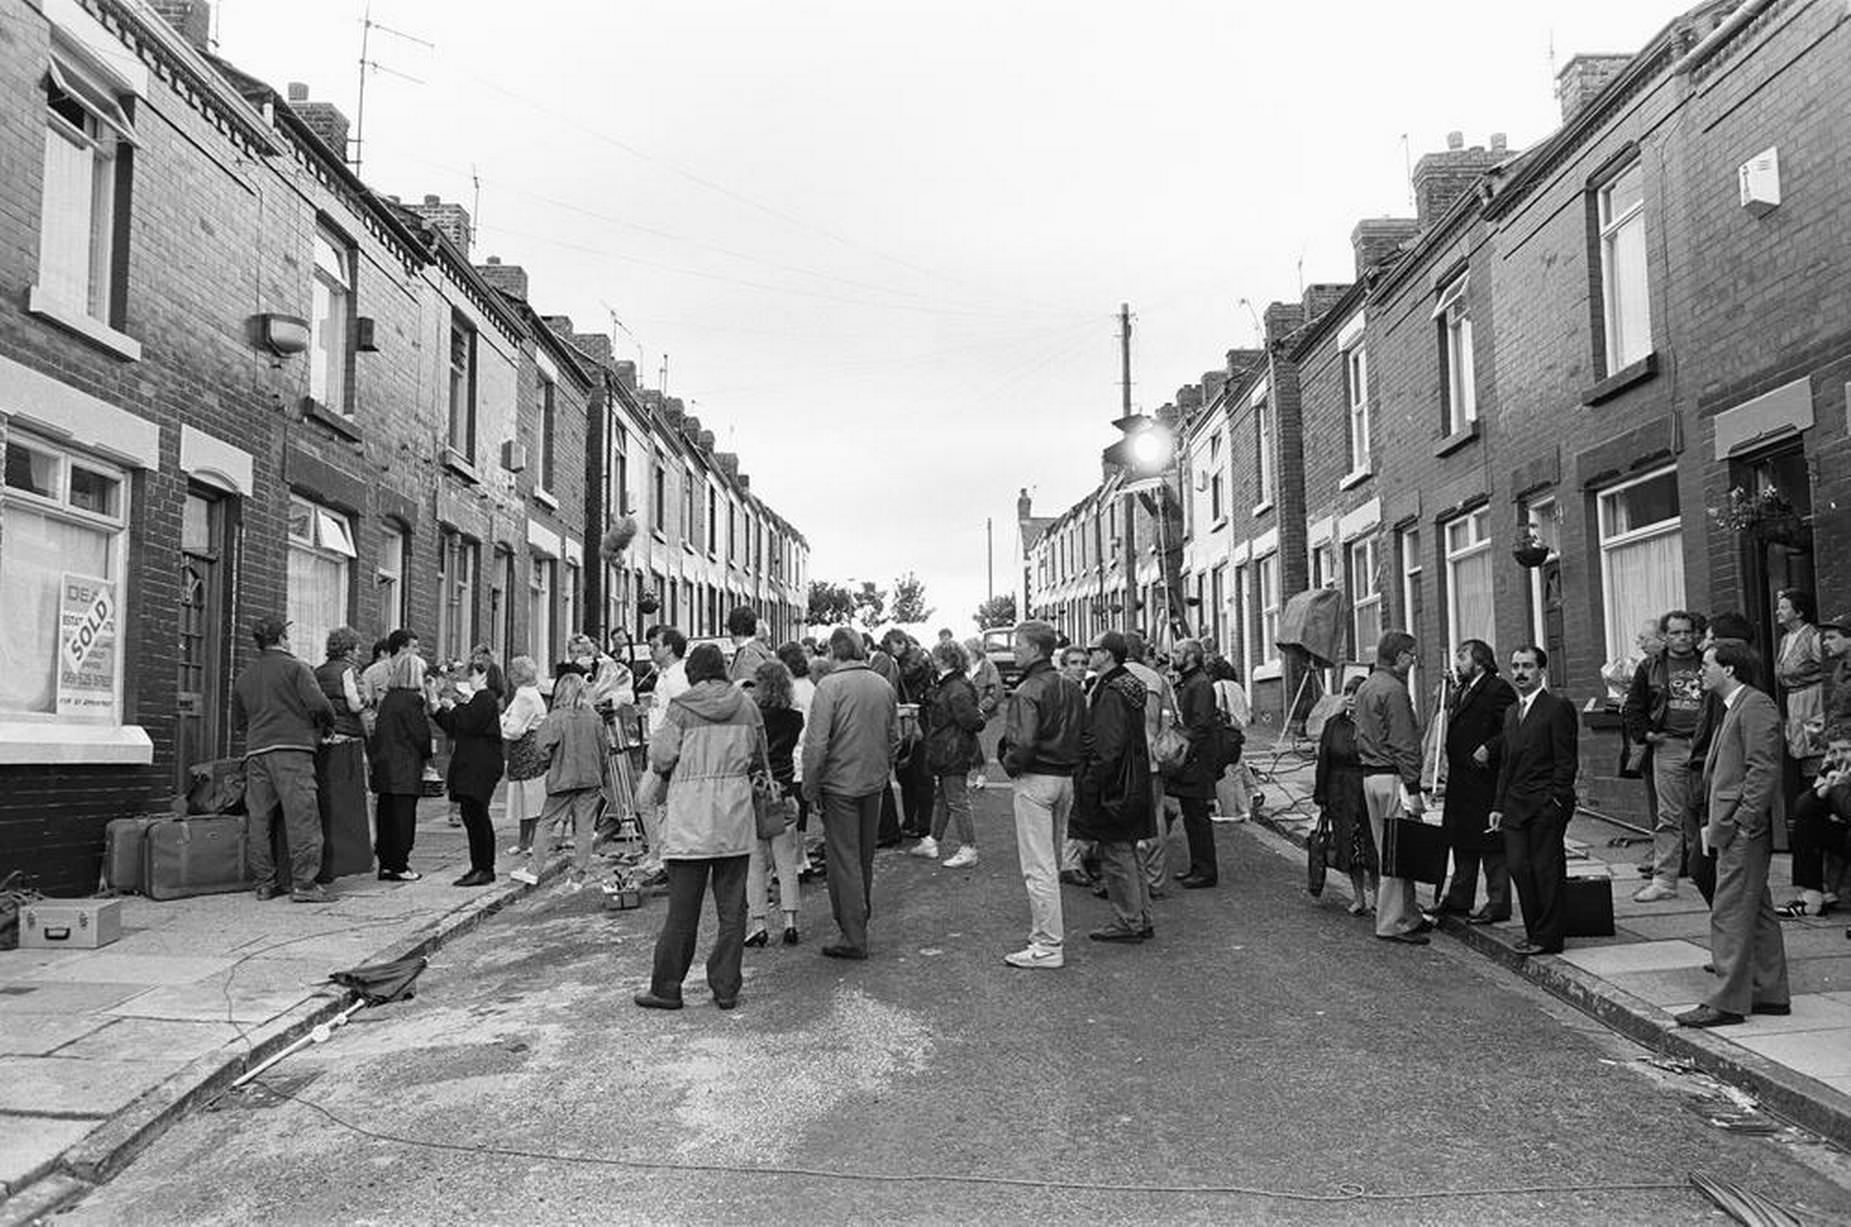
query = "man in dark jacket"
{"x": 1474, "y": 751}
{"x": 1660, "y": 712}
{"x": 1112, "y": 795}
{"x": 282, "y": 712}
{"x": 1040, "y": 751}
{"x": 1536, "y": 799}
{"x": 912, "y": 773}
{"x": 1193, "y": 785}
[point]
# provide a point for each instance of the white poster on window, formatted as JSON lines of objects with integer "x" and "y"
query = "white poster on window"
{"x": 86, "y": 648}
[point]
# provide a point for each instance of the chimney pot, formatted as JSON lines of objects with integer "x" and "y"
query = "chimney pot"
{"x": 1455, "y": 140}
{"x": 494, "y": 259}
{"x": 1499, "y": 142}
{"x": 432, "y": 200}
{"x": 298, "y": 92}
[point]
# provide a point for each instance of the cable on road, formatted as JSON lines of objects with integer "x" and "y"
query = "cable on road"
{"x": 1345, "y": 1192}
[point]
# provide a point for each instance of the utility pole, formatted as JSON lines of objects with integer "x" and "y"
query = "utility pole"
{"x": 1130, "y": 560}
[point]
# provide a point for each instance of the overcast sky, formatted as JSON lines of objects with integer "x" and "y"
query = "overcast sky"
{"x": 883, "y": 245}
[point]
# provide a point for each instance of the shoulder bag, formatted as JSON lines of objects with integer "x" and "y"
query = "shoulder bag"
{"x": 771, "y": 809}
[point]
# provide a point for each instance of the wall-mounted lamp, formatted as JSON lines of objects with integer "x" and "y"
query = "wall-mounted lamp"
{"x": 282, "y": 335}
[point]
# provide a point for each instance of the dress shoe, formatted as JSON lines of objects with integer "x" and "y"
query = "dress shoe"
{"x": 1113, "y": 933}
{"x": 1406, "y": 939}
{"x": 1487, "y": 918}
{"x": 651, "y": 1000}
{"x": 1197, "y": 881}
{"x": 1447, "y": 908}
{"x": 839, "y": 951}
{"x": 310, "y": 894}
{"x": 1076, "y": 877}
{"x": 1148, "y": 932}
{"x": 758, "y": 937}
{"x": 725, "y": 1003}
{"x": 266, "y": 892}
{"x": 1525, "y": 949}
{"x": 1779, "y": 1009}
{"x": 790, "y": 935}
{"x": 1183, "y": 874}
{"x": 1707, "y": 1016}
{"x": 1423, "y": 925}
{"x": 476, "y": 877}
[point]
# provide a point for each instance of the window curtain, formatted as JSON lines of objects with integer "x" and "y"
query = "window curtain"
{"x": 64, "y": 240}
{"x": 1644, "y": 579}
{"x": 35, "y": 553}
{"x": 1473, "y": 617}
{"x": 317, "y": 600}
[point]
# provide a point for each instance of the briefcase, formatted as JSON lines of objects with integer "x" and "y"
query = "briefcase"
{"x": 1589, "y": 904}
{"x": 198, "y": 855}
{"x": 1414, "y": 850}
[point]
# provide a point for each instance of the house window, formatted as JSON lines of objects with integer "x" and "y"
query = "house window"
{"x": 689, "y": 530}
{"x": 571, "y": 595}
{"x": 393, "y": 550}
{"x": 61, "y": 565}
{"x": 1263, "y": 451}
{"x": 1269, "y": 609}
{"x": 459, "y": 565}
{"x": 617, "y": 496}
{"x": 87, "y": 134}
{"x": 1641, "y": 555}
{"x": 713, "y": 521}
{"x": 540, "y": 609}
{"x": 462, "y": 388}
{"x": 321, "y": 566}
{"x": 1625, "y": 298}
{"x": 501, "y": 601}
{"x": 1541, "y": 517}
{"x": 1365, "y": 597}
{"x": 661, "y": 500}
{"x": 1215, "y": 509}
{"x": 549, "y": 406}
{"x": 1458, "y": 388}
{"x": 1468, "y": 579}
{"x": 330, "y": 309}
{"x": 1324, "y": 566}
{"x": 1356, "y": 397}
{"x": 732, "y": 532}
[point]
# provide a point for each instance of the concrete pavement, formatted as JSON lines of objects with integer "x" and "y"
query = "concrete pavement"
{"x": 100, "y": 1049}
{"x": 1652, "y": 967}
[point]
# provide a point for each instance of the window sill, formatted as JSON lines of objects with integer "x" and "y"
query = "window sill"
{"x": 659, "y": 535}
{"x": 1271, "y": 671}
{"x": 459, "y": 464}
{"x": 1354, "y": 479}
{"x": 1260, "y": 509}
{"x": 334, "y": 420}
{"x": 1217, "y": 524}
{"x": 70, "y": 317}
{"x": 1457, "y": 439}
{"x": 545, "y": 499}
{"x": 1621, "y": 380}
{"x": 24, "y": 742}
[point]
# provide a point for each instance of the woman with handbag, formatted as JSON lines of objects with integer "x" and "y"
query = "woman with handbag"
{"x": 1338, "y": 794}
{"x": 710, "y": 742}
{"x": 520, "y": 726}
{"x": 400, "y": 748}
{"x": 771, "y": 690}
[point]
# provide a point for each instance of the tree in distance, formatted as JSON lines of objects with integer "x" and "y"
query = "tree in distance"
{"x": 829, "y": 604}
{"x": 909, "y": 599}
{"x": 998, "y": 611}
{"x": 870, "y": 605}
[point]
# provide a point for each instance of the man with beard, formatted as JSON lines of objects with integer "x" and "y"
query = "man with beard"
{"x": 1193, "y": 785}
{"x": 1536, "y": 799}
{"x": 1474, "y": 749}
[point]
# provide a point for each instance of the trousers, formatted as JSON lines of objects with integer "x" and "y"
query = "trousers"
{"x": 1395, "y": 908}
{"x": 1746, "y": 945}
{"x": 283, "y": 781}
{"x": 687, "y": 885}
{"x": 850, "y": 828}
{"x": 1042, "y": 804}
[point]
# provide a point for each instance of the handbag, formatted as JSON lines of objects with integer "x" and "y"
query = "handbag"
{"x": 525, "y": 761}
{"x": 1805, "y": 731}
{"x": 1170, "y": 748}
{"x": 1317, "y": 856}
{"x": 771, "y": 809}
{"x": 1414, "y": 850}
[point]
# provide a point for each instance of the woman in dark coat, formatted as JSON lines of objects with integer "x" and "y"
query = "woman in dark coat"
{"x": 400, "y": 747}
{"x": 475, "y": 766}
{"x": 340, "y": 763}
{"x": 950, "y": 720}
{"x": 1193, "y": 784}
{"x": 1474, "y": 751}
{"x": 1111, "y": 796}
{"x": 1337, "y": 790}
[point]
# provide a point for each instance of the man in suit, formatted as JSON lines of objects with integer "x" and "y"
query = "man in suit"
{"x": 1741, "y": 774}
{"x": 1700, "y": 862}
{"x": 1535, "y": 799}
{"x": 1474, "y": 752}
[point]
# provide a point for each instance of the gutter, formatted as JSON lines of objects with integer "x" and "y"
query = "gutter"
{"x": 1744, "y": 13}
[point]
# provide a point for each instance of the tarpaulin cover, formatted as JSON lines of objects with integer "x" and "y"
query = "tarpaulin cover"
{"x": 1313, "y": 621}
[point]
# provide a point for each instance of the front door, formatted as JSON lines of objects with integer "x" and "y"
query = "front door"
{"x": 205, "y": 560}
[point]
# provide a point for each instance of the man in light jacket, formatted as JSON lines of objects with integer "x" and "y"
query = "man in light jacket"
{"x": 849, "y": 744}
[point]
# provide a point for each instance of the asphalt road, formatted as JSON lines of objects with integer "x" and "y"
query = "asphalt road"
{"x": 1264, "y": 1047}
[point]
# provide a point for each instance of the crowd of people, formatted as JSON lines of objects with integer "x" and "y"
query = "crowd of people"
{"x": 1725, "y": 756}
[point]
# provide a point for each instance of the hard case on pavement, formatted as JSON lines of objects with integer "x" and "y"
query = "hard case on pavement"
{"x": 1589, "y": 901}
{"x": 69, "y": 924}
{"x": 123, "y": 840}
{"x": 199, "y": 855}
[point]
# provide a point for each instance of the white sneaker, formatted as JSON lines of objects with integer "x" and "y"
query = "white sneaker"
{"x": 1652, "y": 892}
{"x": 1036, "y": 958}
{"x": 927, "y": 847}
{"x": 964, "y": 856}
{"x": 517, "y": 850}
{"x": 526, "y": 875}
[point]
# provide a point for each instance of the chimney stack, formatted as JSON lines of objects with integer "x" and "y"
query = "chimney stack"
{"x": 449, "y": 220}
{"x": 192, "y": 18}
{"x": 1378, "y": 241}
{"x": 324, "y": 119}
{"x": 1441, "y": 178}
{"x": 510, "y": 279}
{"x": 596, "y": 344}
{"x": 1321, "y": 298}
{"x": 1283, "y": 319}
{"x": 1582, "y": 79}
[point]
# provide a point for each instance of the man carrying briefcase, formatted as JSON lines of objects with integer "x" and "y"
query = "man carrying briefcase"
{"x": 282, "y": 711}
